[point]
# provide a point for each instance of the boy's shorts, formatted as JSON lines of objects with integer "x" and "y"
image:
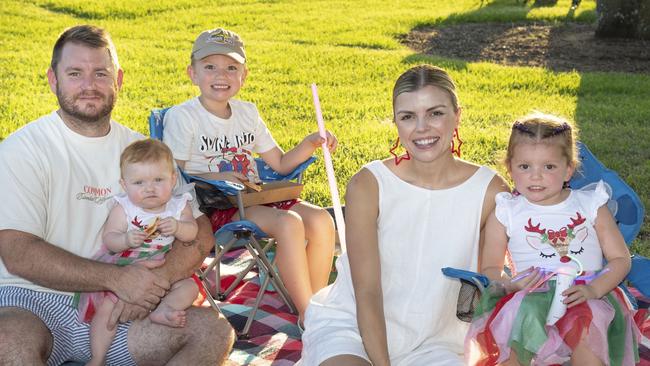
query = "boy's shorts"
{"x": 71, "y": 337}
{"x": 219, "y": 218}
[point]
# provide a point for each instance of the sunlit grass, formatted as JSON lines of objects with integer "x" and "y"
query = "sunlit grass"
{"x": 351, "y": 50}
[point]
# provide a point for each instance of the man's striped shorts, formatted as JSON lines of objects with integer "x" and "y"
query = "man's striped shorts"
{"x": 71, "y": 337}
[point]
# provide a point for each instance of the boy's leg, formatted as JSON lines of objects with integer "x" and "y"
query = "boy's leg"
{"x": 171, "y": 310}
{"x": 206, "y": 340}
{"x": 100, "y": 336}
{"x": 288, "y": 230}
{"x": 319, "y": 232}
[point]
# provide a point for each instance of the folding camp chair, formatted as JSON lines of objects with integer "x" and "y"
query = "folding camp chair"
{"x": 625, "y": 205}
{"x": 242, "y": 233}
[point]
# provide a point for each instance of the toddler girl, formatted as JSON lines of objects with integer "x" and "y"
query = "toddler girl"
{"x": 552, "y": 234}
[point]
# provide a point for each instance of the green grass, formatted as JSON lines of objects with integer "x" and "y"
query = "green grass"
{"x": 350, "y": 49}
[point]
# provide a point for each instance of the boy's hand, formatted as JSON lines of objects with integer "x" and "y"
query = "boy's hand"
{"x": 168, "y": 226}
{"x": 316, "y": 141}
{"x": 578, "y": 294}
{"x": 135, "y": 238}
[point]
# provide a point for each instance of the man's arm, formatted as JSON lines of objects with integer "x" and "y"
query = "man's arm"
{"x": 32, "y": 258}
{"x": 185, "y": 257}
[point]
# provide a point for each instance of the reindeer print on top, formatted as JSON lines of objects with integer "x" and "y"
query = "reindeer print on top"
{"x": 559, "y": 240}
{"x": 555, "y": 231}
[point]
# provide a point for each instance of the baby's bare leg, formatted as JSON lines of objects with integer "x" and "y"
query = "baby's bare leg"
{"x": 100, "y": 337}
{"x": 171, "y": 310}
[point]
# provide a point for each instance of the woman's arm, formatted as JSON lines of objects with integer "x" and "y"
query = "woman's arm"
{"x": 618, "y": 261}
{"x": 361, "y": 211}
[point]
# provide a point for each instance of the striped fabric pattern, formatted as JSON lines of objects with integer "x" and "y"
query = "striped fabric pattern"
{"x": 71, "y": 337}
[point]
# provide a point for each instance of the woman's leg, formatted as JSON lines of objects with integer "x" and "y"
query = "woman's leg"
{"x": 100, "y": 336}
{"x": 319, "y": 232}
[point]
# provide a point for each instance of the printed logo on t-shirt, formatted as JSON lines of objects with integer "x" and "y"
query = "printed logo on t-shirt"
{"x": 234, "y": 159}
{"x": 217, "y": 144}
{"x": 98, "y": 195}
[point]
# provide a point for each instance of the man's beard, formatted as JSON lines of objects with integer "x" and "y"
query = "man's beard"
{"x": 88, "y": 115}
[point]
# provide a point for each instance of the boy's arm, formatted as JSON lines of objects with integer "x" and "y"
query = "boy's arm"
{"x": 115, "y": 234}
{"x": 285, "y": 163}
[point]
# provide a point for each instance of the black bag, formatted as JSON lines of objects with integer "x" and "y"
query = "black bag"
{"x": 469, "y": 297}
{"x": 210, "y": 198}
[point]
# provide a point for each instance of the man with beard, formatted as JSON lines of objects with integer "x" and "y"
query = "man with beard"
{"x": 57, "y": 173}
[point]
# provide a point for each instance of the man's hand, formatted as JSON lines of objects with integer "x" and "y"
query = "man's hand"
{"x": 124, "y": 312}
{"x": 138, "y": 285}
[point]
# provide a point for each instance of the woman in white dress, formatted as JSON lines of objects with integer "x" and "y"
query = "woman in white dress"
{"x": 406, "y": 218}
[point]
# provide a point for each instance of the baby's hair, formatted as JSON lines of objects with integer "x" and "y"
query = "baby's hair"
{"x": 146, "y": 151}
{"x": 421, "y": 76}
{"x": 540, "y": 127}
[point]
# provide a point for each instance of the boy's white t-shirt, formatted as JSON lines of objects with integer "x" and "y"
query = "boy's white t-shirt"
{"x": 56, "y": 184}
{"x": 208, "y": 143}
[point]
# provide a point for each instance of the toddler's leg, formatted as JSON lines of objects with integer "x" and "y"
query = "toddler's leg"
{"x": 288, "y": 230}
{"x": 319, "y": 232}
{"x": 171, "y": 310}
{"x": 582, "y": 354}
{"x": 100, "y": 337}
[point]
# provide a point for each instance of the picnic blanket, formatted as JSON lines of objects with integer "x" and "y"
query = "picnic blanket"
{"x": 274, "y": 337}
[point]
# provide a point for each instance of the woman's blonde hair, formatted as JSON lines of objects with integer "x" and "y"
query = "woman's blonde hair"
{"x": 421, "y": 76}
{"x": 540, "y": 127}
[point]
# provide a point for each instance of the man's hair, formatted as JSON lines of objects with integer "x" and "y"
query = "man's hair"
{"x": 421, "y": 76}
{"x": 87, "y": 35}
{"x": 542, "y": 128}
{"x": 146, "y": 151}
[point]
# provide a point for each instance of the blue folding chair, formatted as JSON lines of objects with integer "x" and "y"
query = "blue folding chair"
{"x": 625, "y": 205}
{"x": 242, "y": 233}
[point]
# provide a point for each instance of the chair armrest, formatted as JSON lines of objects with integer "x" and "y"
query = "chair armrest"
{"x": 269, "y": 175}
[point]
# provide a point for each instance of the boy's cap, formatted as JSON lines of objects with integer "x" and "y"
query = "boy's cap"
{"x": 219, "y": 42}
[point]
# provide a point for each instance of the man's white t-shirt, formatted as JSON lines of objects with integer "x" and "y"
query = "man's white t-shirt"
{"x": 208, "y": 143}
{"x": 56, "y": 184}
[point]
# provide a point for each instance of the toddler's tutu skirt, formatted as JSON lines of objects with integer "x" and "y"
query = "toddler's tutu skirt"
{"x": 517, "y": 322}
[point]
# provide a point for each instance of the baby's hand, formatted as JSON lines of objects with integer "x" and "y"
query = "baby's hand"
{"x": 578, "y": 294}
{"x": 135, "y": 238}
{"x": 168, "y": 226}
{"x": 316, "y": 141}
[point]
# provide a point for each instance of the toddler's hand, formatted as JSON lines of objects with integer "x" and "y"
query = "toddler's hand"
{"x": 316, "y": 141}
{"x": 168, "y": 226}
{"x": 578, "y": 294}
{"x": 135, "y": 238}
{"x": 524, "y": 279}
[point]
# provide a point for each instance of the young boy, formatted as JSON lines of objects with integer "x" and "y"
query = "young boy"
{"x": 214, "y": 136}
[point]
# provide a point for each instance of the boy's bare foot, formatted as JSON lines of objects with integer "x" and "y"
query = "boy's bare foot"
{"x": 167, "y": 316}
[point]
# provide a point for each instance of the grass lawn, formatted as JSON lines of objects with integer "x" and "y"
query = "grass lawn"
{"x": 350, "y": 49}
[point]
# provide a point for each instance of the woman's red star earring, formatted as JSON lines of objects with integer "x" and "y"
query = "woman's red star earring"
{"x": 398, "y": 159}
{"x": 454, "y": 149}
